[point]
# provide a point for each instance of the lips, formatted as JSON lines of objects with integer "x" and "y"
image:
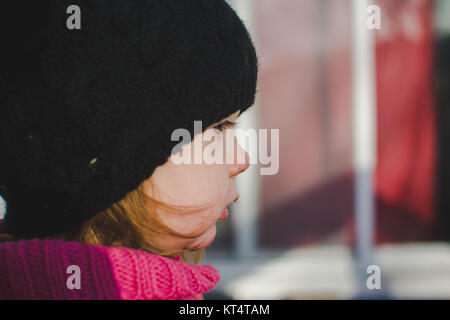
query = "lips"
{"x": 225, "y": 212}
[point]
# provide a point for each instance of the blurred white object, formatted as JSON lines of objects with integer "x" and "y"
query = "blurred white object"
{"x": 364, "y": 129}
{"x": 245, "y": 211}
{"x": 2, "y": 208}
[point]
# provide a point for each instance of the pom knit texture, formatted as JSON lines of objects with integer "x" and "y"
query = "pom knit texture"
{"x": 36, "y": 269}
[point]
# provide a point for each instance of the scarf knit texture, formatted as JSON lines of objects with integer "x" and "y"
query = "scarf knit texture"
{"x": 36, "y": 269}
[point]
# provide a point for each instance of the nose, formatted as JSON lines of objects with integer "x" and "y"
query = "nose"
{"x": 241, "y": 161}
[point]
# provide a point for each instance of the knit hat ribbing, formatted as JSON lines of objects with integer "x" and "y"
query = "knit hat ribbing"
{"x": 87, "y": 115}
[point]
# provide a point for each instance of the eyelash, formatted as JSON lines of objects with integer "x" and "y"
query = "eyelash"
{"x": 225, "y": 125}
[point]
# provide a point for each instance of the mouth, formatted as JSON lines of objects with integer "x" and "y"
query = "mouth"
{"x": 225, "y": 212}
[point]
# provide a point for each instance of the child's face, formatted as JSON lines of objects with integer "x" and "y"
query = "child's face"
{"x": 194, "y": 185}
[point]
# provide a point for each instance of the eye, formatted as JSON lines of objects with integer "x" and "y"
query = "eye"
{"x": 225, "y": 125}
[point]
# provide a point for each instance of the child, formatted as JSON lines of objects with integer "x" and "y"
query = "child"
{"x": 96, "y": 206}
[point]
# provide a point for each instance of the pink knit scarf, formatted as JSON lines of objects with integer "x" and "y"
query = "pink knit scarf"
{"x": 40, "y": 269}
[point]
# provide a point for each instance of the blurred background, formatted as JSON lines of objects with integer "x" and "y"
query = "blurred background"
{"x": 364, "y": 120}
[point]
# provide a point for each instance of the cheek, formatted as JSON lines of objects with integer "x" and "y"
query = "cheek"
{"x": 192, "y": 223}
{"x": 192, "y": 185}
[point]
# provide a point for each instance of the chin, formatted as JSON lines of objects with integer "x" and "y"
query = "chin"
{"x": 206, "y": 239}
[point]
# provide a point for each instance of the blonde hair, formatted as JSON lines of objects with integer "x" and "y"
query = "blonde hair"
{"x": 134, "y": 223}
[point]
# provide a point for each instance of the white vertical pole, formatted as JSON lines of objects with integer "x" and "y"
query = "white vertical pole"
{"x": 364, "y": 129}
{"x": 246, "y": 210}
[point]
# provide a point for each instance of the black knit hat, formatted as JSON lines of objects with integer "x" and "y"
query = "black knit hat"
{"x": 87, "y": 115}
